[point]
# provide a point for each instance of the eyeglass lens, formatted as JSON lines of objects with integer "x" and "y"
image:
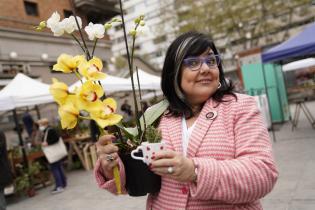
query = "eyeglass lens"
{"x": 194, "y": 63}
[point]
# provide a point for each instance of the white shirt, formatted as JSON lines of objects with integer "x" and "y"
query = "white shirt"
{"x": 186, "y": 134}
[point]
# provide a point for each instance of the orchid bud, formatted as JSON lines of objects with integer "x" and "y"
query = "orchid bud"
{"x": 116, "y": 20}
{"x": 141, "y": 17}
{"x": 42, "y": 24}
{"x": 142, "y": 23}
{"x": 107, "y": 26}
{"x": 133, "y": 32}
{"x": 137, "y": 20}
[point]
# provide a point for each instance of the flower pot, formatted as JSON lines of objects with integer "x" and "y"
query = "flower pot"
{"x": 139, "y": 179}
{"x": 30, "y": 192}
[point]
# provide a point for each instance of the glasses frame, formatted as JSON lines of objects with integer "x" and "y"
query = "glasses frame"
{"x": 202, "y": 61}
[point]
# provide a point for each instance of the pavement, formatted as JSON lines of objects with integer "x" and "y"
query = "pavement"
{"x": 295, "y": 190}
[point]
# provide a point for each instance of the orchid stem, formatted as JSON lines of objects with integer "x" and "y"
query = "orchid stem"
{"x": 78, "y": 76}
{"x": 84, "y": 118}
{"x": 140, "y": 96}
{"x": 130, "y": 66}
{"x": 80, "y": 32}
{"x": 76, "y": 39}
{"x": 95, "y": 42}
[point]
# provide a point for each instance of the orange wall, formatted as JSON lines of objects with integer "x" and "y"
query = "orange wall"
{"x": 13, "y": 15}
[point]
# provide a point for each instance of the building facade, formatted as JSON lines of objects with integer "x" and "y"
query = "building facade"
{"x": 154, "y": 37}
{"x": 165, "y": 19}
{"x": 22, "y": 49}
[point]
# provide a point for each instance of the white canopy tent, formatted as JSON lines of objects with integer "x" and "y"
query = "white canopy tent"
{"x": 24, "y": 91}
{"x": 299, "y": 64}
{"x": 109, "y": 84}
{"x": 147, "y": 81}
{"x": 152, "y": 95}
{"x": 115, "y": 84}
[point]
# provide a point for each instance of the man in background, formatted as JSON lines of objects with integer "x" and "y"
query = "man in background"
{"x": 28, "y": 122}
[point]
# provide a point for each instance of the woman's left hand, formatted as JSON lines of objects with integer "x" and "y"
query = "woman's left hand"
{"x": 174, "y": 165}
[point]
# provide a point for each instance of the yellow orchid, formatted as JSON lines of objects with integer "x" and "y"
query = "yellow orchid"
{"x": 68, "y": 114}
{"x": 59, "y": 91}
{"x": 67, "y": 63}
{"x": 103, "y": 112}
{"x": 92, "y": 69}
{"x": 87, "y": 94}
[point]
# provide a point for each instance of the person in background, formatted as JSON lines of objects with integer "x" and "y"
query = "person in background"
{"x": 126, "y": 108}
{"x": 144, "y": 106}
{"x": 36, "y": 137}
{"x": 6, "y": 176}
{"x": 56, "y": 167}
{"x": 219, "y": 155}
{"x": 28, "y": 122}
{"x": 94, "y": 131}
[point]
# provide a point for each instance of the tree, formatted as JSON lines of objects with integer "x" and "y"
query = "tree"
{"x": 239, "y": 21}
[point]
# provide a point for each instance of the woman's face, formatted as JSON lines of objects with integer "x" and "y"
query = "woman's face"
{"x": 199, "y": 84}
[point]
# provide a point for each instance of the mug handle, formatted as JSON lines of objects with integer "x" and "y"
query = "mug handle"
{"x": 135, "y": 151}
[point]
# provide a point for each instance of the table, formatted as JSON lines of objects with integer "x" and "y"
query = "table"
{"x": 301, "y": 105}
{"x": 31, "y": 157}
{"x": 74, "y": 146}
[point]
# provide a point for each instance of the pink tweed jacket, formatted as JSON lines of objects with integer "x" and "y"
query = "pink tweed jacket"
{"x": 233, "y": 155}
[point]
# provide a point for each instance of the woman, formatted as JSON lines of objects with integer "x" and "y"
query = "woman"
{"x": 50, "y": 137}
{"x": 219, "y": 153}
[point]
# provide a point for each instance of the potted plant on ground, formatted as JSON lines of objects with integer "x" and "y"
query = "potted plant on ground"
{"x": 24, "y": 182}
{"x": 89, "y": 101}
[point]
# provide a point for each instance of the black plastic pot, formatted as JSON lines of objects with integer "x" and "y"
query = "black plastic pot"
{"x": 139, "y": 179}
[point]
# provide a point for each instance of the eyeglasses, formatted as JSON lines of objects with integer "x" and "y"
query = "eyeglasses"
{"x": 194, "y": 63}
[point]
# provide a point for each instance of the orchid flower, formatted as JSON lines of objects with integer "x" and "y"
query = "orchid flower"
{"x": 69, "y": 24}
{"x": 95, "y": 31}
{"x": 92, "y": 69}
{"x": 67, "y": 63}
{"x": 54, "y": 24}
{"x": 59, "y": 91}
{"x": 68, "y": 113}
{"x": 88, "y": 94}
{"x": 104, "y": 112}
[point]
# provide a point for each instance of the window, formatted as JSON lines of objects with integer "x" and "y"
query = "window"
{"x": 95, "y": 18}
{"x": 31, "y": 8}
{"x": 67, "y": 13}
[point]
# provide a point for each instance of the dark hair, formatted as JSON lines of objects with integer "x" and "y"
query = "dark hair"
{"x": 187, "y": 44}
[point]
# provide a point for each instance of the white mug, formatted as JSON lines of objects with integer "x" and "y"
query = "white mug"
{"x": 148, "y": 150}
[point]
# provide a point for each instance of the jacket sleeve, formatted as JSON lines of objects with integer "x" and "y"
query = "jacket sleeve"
{"x": 52, "y": 136}
{"x": 251, "y": 174}
{"x": 106, "y": 184}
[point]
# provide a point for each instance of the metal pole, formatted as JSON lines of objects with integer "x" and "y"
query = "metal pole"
{"x": 278, "y": 93}
{"x": 266, "y": 91}
{"x": 37, "y": 112}
{"x": 18, "y": 130}
{"x": 286, "y": 89}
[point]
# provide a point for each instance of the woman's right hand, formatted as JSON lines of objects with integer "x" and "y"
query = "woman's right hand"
{"x": 107, "y": 153}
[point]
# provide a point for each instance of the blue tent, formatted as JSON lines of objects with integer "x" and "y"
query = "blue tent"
{"x": 300, "y": 46}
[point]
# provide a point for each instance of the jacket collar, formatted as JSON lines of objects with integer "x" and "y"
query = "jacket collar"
{"x": 204, "y": 121}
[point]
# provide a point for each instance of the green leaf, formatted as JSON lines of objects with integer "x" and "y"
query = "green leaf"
{"x": 153, "y": 113}
{"x": 129, "y": 132}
